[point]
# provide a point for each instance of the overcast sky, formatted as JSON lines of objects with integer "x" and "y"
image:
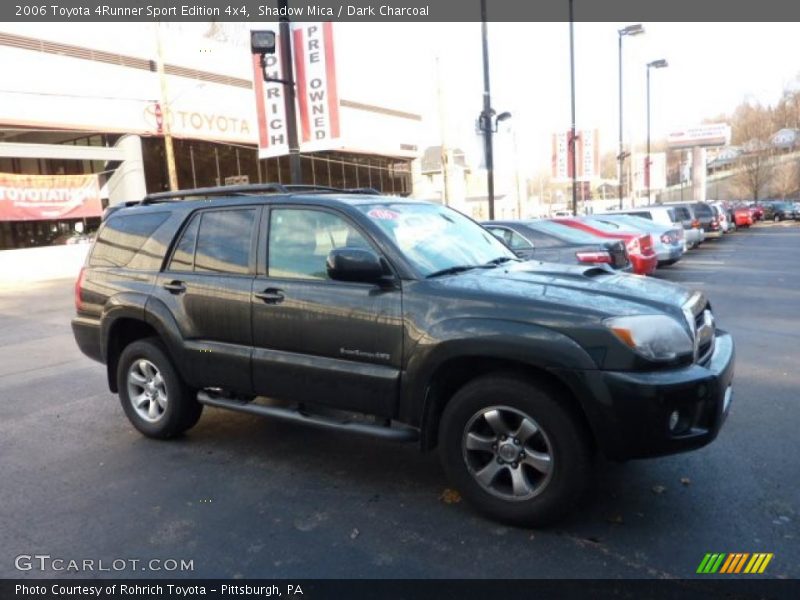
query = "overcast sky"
{"x": 712, "y": 68}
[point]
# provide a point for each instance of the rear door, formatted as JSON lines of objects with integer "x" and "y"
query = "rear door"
{"x": 317, "y": 340}
{"x": 206, "y": 286}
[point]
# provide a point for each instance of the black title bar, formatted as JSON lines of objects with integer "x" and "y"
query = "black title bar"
{"x": 399, "y": 10}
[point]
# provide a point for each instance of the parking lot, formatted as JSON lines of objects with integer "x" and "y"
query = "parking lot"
{"x": 248, "y": 497}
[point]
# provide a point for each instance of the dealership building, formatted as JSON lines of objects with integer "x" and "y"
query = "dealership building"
{"x": 84, "y": 111}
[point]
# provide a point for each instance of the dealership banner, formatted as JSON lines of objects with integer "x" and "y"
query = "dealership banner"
{"x": 587, "y": 149}
{"x": 317, "y": 94}
{"x": 43, "y": 197}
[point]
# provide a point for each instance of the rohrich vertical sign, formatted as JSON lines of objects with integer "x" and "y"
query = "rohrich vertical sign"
{"x": 317, "y": 94}
{"x": 43, "y": 197}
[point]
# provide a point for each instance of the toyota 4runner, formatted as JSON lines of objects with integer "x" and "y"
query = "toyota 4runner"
{"x": 403, "y": 320}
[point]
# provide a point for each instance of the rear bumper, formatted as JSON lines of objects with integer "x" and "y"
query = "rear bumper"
{"x": 629, "y": 412}
{"x": 714, "y": 233}
{"x": 669, "y": 254}
{"x": 644, "y": 265}
{"x": 87, "y": 336}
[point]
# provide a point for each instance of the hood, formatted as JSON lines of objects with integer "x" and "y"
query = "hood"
{"x": 588, "y": 292}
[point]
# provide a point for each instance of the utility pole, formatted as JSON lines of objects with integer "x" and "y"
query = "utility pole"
{"x": 486, "y": 115}
{"x": 167, "y": 112}
{"x": 573, "y": 159}
{"x": 289, "y": 87}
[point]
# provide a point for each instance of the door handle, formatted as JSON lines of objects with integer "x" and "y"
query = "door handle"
{"x": 270, "y": 296}
{"x": 175, "y": 287}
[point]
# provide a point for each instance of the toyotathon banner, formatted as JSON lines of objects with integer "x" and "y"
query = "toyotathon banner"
{"x": 317, "y": 95}
{"x": 41, "y": 197}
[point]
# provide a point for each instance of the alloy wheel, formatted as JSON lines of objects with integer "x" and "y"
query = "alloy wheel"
{"x": 507, "y": 453}
{"x": 147, "y": 390}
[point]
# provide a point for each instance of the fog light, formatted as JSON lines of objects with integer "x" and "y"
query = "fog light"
{"x": 674, "y": 419}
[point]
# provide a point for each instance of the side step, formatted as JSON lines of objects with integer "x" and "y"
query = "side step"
{"x": 395, "y": 433}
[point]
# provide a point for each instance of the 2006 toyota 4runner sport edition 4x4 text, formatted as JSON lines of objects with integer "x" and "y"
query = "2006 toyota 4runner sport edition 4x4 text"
{"x": 404, "y": 320}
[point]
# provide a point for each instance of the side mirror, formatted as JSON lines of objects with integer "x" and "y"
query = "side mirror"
{"x": 355, "y": 264}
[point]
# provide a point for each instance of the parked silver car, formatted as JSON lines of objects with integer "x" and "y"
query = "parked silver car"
{"x": 670, "y": 216}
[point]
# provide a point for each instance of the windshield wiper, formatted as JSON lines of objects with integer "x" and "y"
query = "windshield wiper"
{"x": 500, "y": 260}
{"x": 457, "y": 269}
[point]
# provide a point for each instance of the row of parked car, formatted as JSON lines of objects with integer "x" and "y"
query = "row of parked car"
{"x": 638, "y": 240}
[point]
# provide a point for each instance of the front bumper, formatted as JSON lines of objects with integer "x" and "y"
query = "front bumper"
{"x": 629, "y": 412}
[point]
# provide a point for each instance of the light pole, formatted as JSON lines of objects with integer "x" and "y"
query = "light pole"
{"x": 655, "y": 64}
{"x": 487, "y": 121}
{"x": 573, "y": 160}
{"x": 629, "y": 30}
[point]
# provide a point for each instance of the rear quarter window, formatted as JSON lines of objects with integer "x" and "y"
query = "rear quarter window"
{"x": 122, "y": 237}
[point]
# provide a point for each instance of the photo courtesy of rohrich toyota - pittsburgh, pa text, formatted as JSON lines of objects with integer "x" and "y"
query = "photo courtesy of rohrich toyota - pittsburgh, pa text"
{"x": 399, "y": 299}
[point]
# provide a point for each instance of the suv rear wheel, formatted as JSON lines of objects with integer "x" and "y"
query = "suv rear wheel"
{"x": 154, "y": 397}
{"x": 514, "y": 451}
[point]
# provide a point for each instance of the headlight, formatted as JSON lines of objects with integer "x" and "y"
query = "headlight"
{"x": 656, "y": 337}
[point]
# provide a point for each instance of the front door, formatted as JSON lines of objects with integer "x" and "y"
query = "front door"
{"x": 207, "y": 286}
{"x": 317, "y": 340}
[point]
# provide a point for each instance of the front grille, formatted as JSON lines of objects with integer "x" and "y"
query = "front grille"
{"x": 701, "y": 320}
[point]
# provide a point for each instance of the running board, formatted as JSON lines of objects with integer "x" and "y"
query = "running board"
{"x": 392, "y": 433}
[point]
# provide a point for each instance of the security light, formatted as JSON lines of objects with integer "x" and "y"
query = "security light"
{"x": 632, "y": 30}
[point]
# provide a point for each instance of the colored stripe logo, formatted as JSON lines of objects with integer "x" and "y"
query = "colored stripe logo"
{"x": 736, "y": 562}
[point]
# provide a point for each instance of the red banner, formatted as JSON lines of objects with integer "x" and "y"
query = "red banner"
{"x": 42, "y": 197}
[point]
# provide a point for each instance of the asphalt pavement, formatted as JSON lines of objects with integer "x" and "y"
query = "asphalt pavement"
{"x": 243, "y": 496}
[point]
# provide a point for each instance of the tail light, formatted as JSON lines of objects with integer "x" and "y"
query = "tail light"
{"x": 78, "y": 288}
{"x": 646, "y": 243}
{"x": 695, "y": 224}
{"x": 634, "y": 247}
{"x": 594, "y": 257}
{"x": 670, "y": 237}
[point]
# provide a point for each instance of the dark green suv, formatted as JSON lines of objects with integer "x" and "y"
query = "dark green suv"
{"x": 402, "y": 320}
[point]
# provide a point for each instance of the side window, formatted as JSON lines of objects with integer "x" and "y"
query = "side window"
{"x": 517, "y": 242}
{"x": 499, "y": 233}
{"x": 223, "y": 241}
{"x": 123, "y": 236}
{"x": 183, "y": 256}
{"x": 542, "y": 240}
{"x": 300, "y": 240}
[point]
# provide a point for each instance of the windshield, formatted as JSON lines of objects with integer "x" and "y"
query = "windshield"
{"x": 434, "y": 238}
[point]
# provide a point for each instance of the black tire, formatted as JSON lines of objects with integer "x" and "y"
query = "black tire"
{"x": 564, "y": 436}
{"x": 182, "y": 410}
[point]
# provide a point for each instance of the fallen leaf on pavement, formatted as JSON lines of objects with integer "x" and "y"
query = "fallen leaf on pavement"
{"x": 659, "y": 489}
{"x": 685, "y": 480}
{"x": 615, "y": 519}
{"x": 354, "y": 534}
{"x": 450, "y": 496}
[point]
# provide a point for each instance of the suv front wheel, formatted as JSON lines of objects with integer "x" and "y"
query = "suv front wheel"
{"x": 513, "y": 450}
{"x": 154, "y": 397}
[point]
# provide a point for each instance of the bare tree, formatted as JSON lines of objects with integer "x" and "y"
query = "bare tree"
{"x": 752, "y": 128}
{"x": 785, "y": 179}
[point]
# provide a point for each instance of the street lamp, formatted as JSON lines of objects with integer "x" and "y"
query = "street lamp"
{"x": 572, "y": 135}
{"x": 655, "y": 64}
{"x": 629, "y": 30}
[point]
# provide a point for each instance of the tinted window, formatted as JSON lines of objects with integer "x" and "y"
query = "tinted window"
{"x": 223, "y": 241}
{"x": 122, "y": 236}
{"x": 681, "y": 213}
{"x": 183, "y": 256}
{"x": 641, "y": 214}
{"x": 300, "y": 241}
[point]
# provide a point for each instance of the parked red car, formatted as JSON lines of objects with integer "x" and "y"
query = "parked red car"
{"x": 640, "y": 246}
{"x": 743, "y": 216}
{"x": 757, "y": 212}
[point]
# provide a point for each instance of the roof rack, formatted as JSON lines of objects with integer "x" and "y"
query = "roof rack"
{"x": 252, "y": 188}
